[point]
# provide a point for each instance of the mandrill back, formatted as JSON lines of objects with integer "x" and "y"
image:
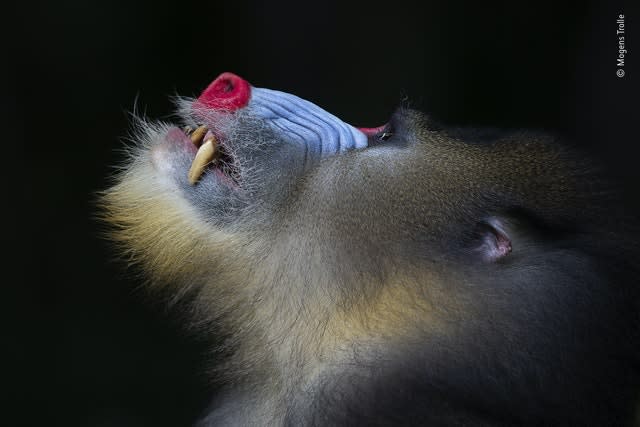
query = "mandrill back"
{"x": 399, "y": 275}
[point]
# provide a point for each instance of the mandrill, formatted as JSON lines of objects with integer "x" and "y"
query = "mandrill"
{"x": 409, "y": 274}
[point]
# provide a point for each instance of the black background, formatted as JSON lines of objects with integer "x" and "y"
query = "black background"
{"x": 85, "y": 345}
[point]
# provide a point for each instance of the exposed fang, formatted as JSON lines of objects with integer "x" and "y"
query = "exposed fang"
{"x": 205, "y": 155}
{"x": 198, "y": 134}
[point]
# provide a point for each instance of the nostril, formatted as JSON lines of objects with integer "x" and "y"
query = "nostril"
{"x": 228, "y": 86}
{"x": 227, "y": 92}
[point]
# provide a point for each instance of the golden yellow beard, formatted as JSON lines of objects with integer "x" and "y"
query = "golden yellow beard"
{"x": 156, "y": 228}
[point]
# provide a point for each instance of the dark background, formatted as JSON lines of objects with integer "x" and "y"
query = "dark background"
{"x": 85, "y": 345}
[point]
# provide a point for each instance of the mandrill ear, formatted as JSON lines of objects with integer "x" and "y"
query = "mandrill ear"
{"x": 492, "y": 243}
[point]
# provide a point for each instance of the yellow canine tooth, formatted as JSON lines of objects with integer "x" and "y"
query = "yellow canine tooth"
{"x": 205, "y": 155}
{"x": 198, "y": 134}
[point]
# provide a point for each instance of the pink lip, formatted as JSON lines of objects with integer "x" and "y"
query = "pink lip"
{"x": 372, "y": 131}
{"x": 177, "y": 136}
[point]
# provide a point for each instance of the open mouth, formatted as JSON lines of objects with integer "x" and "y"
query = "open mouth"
{"x": 271, "y": 121}
{"x": 210, "y": 156}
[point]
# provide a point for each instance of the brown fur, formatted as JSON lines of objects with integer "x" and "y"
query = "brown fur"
{"x": 300, "y": 298}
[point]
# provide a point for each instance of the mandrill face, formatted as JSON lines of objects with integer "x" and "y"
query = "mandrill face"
{"x": 400, "y": 274}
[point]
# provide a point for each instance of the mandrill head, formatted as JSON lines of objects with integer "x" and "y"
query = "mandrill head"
{"x": 401, "y": 274}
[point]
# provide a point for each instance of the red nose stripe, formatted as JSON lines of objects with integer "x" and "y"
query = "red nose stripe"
{"x": 371, "y": 131}
{"x": 227, "y": 92}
